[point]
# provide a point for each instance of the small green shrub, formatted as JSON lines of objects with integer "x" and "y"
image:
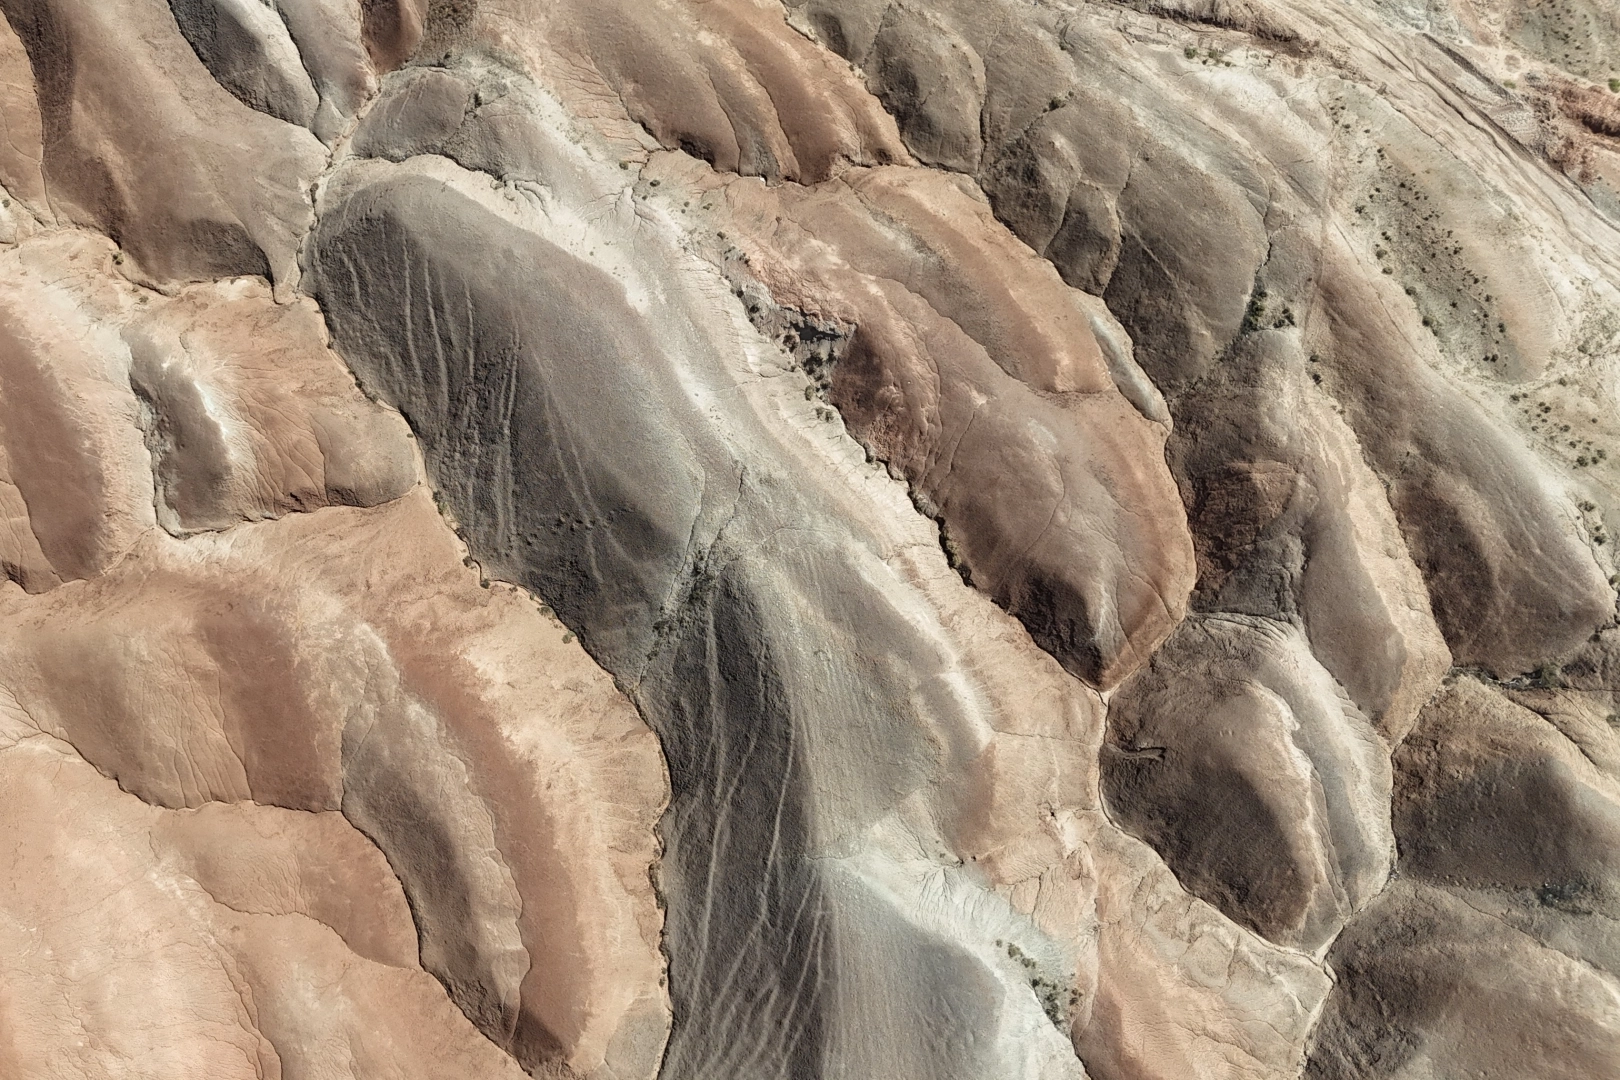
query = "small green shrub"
{"x": 1256, "y": 311}
{"x": 1547, "y": 676}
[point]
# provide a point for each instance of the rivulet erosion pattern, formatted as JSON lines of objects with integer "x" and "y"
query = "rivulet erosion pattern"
{"x": 809, "y": 539}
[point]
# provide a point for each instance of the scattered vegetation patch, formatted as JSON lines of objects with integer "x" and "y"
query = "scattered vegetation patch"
{"x": 1257, "y": 317}
{"x": 1412, "y": 243}
{"x": 813, "y": 345}
{"x": 1546, "y": 676}
{"x": 1575, "y": 35}
{"x": 1057, "y": 1000}
{"x": 1567, "y": 424}
{"x": 1570, "y": 897}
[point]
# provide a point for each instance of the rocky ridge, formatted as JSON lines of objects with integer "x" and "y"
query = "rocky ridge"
{"x": 826, "y": 538}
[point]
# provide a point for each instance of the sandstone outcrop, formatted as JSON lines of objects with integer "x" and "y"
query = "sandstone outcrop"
{"x": 1428, "y": 982}
{"x": 1239, "y": 758}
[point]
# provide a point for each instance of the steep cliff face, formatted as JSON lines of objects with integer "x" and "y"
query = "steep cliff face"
{"x": 809, "y": 538}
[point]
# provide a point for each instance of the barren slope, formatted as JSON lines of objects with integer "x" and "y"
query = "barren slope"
{"x": 809, "y": 539}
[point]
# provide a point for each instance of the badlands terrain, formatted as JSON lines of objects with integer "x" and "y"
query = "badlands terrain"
{"x": 809, "y": 539}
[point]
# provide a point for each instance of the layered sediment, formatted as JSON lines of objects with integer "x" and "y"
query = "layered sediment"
{"x": 808, "y": 538}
